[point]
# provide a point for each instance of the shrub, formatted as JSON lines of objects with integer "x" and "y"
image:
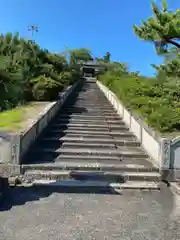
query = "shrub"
{"x": 45, "y": 88}
{"x": 156, "y": 102}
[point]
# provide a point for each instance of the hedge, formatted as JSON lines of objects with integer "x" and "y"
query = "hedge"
{"x": 156, "y": 102}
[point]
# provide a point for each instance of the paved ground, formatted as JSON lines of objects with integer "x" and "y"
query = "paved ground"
{"x": 43, "y": 214}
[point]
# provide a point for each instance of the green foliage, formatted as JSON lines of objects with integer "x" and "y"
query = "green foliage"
{"x": 171, "y": 54}
{"x": 117, "y": 68}
{"x": 155, "y": 101}
{"x": 99, "y": 60}
{"x": 45, "y": 88}
{"x": 162, "y": 29}
{"x": 171, "y": 68}
{"x": 107, "y": 57}
{"x": 81, "y": 54}
{"x": 29, "y": 73}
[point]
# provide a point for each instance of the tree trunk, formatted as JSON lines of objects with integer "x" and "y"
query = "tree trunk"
{"x": 173, "y": 43}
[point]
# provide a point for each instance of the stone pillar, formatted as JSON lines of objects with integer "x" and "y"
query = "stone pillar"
{"x": 165, "y": 158}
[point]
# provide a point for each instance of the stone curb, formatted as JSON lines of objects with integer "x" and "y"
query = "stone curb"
{"x": 175, "y": 187}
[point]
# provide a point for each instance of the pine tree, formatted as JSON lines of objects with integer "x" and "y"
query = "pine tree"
{"x": 163, "y": 29}
{"x": 107, "y": 57}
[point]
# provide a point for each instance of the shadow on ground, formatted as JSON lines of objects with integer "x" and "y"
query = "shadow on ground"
{"x": 20, "y": 195}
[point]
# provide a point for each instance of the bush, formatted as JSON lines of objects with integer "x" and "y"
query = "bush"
{"x": 45, "y": 88}
{"x": 156, "y": 102}
{"x": 29, "y": 73}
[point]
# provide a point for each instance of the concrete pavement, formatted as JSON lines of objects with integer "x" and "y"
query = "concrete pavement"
{"x": 42, "y": 213}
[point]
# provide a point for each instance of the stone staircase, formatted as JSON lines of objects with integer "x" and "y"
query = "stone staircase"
{"x": 88, "y": 144}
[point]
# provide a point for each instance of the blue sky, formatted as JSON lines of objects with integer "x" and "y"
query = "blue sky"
{"x": 100, "y": 25}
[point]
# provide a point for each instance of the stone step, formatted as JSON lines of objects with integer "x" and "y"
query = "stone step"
{"x": 85, "y": 144}
{"x": 89, "y": 102}
{"x": 59, "y": 127}
{"x": 88, "y": 117}
{"x": 87, "y": 95}
{"x": 48, "y": 157}
{"x": 91, "y": 107}
{"x": 79, "y": 186}
{"x": 84, "y": 113}
{"x": 133, "y": 152}
{"x": 89, "y": 113}
{"x": 89, "y": 135}
{"x": 88, "y": 127}
{"x": 92, "y": 175}
{"x": 89, "y": 121}
{"x": 96, "y": 141}
{"x": 58, "y": 144}
{"x": 97, "y": 145}
{"x": 88, "y": 110}
{"x": 96, "y": 104}
{"x": 84, "y": 94}
{"x": 113, "y": 164}
{"x": 58, "y": 134}
{"x": 124, "y": 132}
{"x": 90, "y": 90}
{"x": 91, "y": 99}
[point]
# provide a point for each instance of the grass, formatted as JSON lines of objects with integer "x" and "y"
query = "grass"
{"x": 16, "y": 119}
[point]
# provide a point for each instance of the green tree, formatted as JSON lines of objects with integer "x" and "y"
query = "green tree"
{"x": 107, "y": 57}
{"x": 171, "y": 68}
{"x": 162, "y": 29}
{"x": 82, "y": 54}
{"x": 28, "y": 72}
{"x": 98, "y": 59}
{"x": 171, "y": 54}
{"x": 118, "y": 67}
